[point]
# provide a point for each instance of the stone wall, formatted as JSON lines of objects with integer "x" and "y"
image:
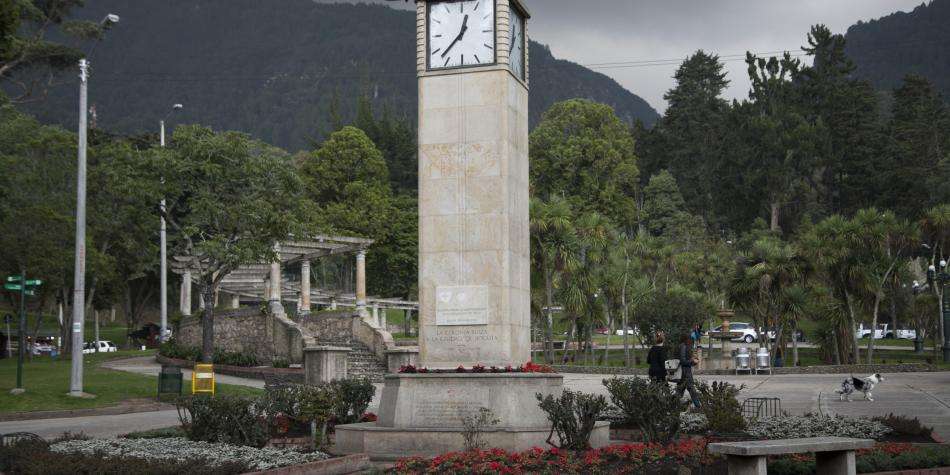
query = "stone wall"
{"x": 239, "y": 331}
{"x": 330, "y": 328}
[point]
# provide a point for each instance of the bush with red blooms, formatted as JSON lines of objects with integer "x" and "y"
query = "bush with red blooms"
{"x": 529, "y": 367}
{"x": 369, "y": 417}
{"x": 631, "y": 458}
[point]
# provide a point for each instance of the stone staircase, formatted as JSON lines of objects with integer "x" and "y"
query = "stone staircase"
{"x": 362, "y": 362}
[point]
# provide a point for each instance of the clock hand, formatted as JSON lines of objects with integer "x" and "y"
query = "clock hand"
{"x": 459, "y": 37}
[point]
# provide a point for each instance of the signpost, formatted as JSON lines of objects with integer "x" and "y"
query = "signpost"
{"x": 26, "y": 288}
{"x": 7, "y": 320}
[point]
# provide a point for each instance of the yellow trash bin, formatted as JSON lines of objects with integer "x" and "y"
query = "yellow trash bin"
{"x": 202, "y": 379}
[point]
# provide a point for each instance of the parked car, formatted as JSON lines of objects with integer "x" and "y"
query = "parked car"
{"x": 630, "y": 331}
{"x": 602, "y": 330}
{"x": 40, "y": 348}
{"x": 103, "y": 346}
{"x": 905, "y": 334}
{"x": 883, "y": 330}
{"x": 749, "y": 334}
{"x": 799, "y": 335}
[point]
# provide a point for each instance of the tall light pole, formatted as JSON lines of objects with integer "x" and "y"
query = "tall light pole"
{"x": 79, "y": 275}
{"x": 941, "y": 278}
{"x": 164, "y": 245}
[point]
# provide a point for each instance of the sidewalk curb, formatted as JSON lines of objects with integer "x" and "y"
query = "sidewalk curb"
{"x": 102, "y": 411}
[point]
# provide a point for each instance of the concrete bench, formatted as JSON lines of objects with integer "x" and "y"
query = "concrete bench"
{"x": 834, "y": 455}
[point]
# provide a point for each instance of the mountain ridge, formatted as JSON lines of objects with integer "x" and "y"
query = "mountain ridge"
{"x": 276, "y": 73}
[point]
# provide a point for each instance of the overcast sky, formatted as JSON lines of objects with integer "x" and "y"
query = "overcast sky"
{"x": 594, "y": 32}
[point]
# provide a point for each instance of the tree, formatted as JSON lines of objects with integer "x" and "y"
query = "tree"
{"x": 553, "y": 250}
{"x": 848, "y": 174}
{"x": 919, "y": 147}
{"x": 229, "y": 201}
{"x": 582, "y": 151}
{"x": 664, "y": 211}
{"x": 24, "y": 28}
{"x": 688, "y": 139}
{"x": 881, "y": 244}
{"x": 780, "y": 140}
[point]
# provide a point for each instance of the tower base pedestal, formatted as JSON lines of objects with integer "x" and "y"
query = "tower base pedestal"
{"x": 421, "y": 415}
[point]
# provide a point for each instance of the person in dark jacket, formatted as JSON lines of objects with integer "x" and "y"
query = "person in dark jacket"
{"x": 687, "y": 361}
{"x": 656, "y": 358}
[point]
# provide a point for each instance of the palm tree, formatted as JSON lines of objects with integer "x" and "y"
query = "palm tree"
{"x": 554, "y": 249}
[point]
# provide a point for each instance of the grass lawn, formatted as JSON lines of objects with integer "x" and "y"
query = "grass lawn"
{"x": 47, "y": 382}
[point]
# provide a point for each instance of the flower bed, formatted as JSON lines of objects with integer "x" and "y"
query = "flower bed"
{"x": 180, "y": 449}
{"x": 815, "y": 425}
{"x": 655, "y": 458}
{"x": 529, "y": 367}
{"x": 882, "y": 458}
{"x": 630, "y": 458}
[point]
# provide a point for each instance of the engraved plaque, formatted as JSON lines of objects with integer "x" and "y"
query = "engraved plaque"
{"x": 444, "y": 404}
{"x": 456, "y": 306}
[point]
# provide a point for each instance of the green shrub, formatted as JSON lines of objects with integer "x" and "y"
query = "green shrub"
{"x": 350, "y": 398}
{"x": 720, "y": 406}
{"x": 653, "y": 408}
{"x": 230, "y": 358}
{"x": 172, "y": 349}
{"x": 281, "y": 363}
{"x": 226, "y": 419}
{"x": 572, "y": 417}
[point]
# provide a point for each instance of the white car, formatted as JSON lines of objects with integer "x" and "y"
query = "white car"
{"x": 103, "y": 346}
{"x": 906, "y": 334}
{"x": 40, "y": 348}
{"x": 883, "y": 331}
{"x": 630, "y": 331}
{"x": 749, "y": 334}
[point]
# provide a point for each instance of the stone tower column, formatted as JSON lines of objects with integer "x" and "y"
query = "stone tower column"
{"x": 304, "y": 287}
{"x": 186, "y": 293}
{"x": 361, "y": 283}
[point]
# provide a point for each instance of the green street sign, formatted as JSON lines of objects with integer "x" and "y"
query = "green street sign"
{"x": 34, "y": 282}
{"x": 12, "y": 286}
{"x": 14, "y": 278}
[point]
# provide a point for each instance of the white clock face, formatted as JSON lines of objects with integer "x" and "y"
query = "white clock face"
{"x": 518, "y": 40}
{"x": 461, "y": 33}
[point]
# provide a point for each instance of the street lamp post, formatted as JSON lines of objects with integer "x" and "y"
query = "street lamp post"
{"x": 941, "y": 278}
{"x": 164, "y": 245}
{"x": 79, "y": 275}
{"x": 918, "y": 331}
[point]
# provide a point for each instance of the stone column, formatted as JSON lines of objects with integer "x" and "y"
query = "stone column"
{"x": 186, "y": 294}
{"x": 382, "y": 319}
{"x": 201, "y": 300}
{"x": 275, "y": 286}
{"x": 375, "y": 315}
{"x": 304, "y": 288}
{"x": 332, "y": 304}
{"x": 323, "y": 364}
{"x": 235, "y": 301}
{"x": 361, "y": 283}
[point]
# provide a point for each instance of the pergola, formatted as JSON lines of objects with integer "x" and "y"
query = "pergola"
{"x": 266, "y": 282}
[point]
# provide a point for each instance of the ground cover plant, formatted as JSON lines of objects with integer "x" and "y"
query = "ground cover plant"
{"x": 179, "y": 449}
{"x": 629, "y": 458}
{"x": 817, "y": 425}
{"x": 882, "y": 458}
{"x": 720, "y": 406}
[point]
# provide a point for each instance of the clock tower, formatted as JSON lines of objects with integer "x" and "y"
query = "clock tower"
{"x": 474, "y": 245}
{"x": 474, "y": 251}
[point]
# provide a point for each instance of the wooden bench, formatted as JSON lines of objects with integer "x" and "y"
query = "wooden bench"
{"x": 834, "y": 455}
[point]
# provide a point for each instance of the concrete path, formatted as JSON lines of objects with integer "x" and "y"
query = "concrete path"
{"x": 925, "y": 396}
{"x": 922, "y": 395}
{"x": 148, "y": 365}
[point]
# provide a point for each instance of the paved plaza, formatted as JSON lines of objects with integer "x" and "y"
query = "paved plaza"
{"x": 922, "y": 395}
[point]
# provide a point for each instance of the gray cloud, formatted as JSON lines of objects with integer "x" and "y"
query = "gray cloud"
{"x": 601, "y": 31}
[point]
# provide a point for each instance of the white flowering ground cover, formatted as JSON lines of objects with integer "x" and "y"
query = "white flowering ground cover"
{"x": 814, "y": 425}
{"x": 181, "y": 449}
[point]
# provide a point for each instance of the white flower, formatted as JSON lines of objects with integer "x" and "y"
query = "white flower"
{"x": 181, "y": 449}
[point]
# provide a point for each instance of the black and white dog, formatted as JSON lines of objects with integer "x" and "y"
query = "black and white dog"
{"x": 865, "y": 385}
